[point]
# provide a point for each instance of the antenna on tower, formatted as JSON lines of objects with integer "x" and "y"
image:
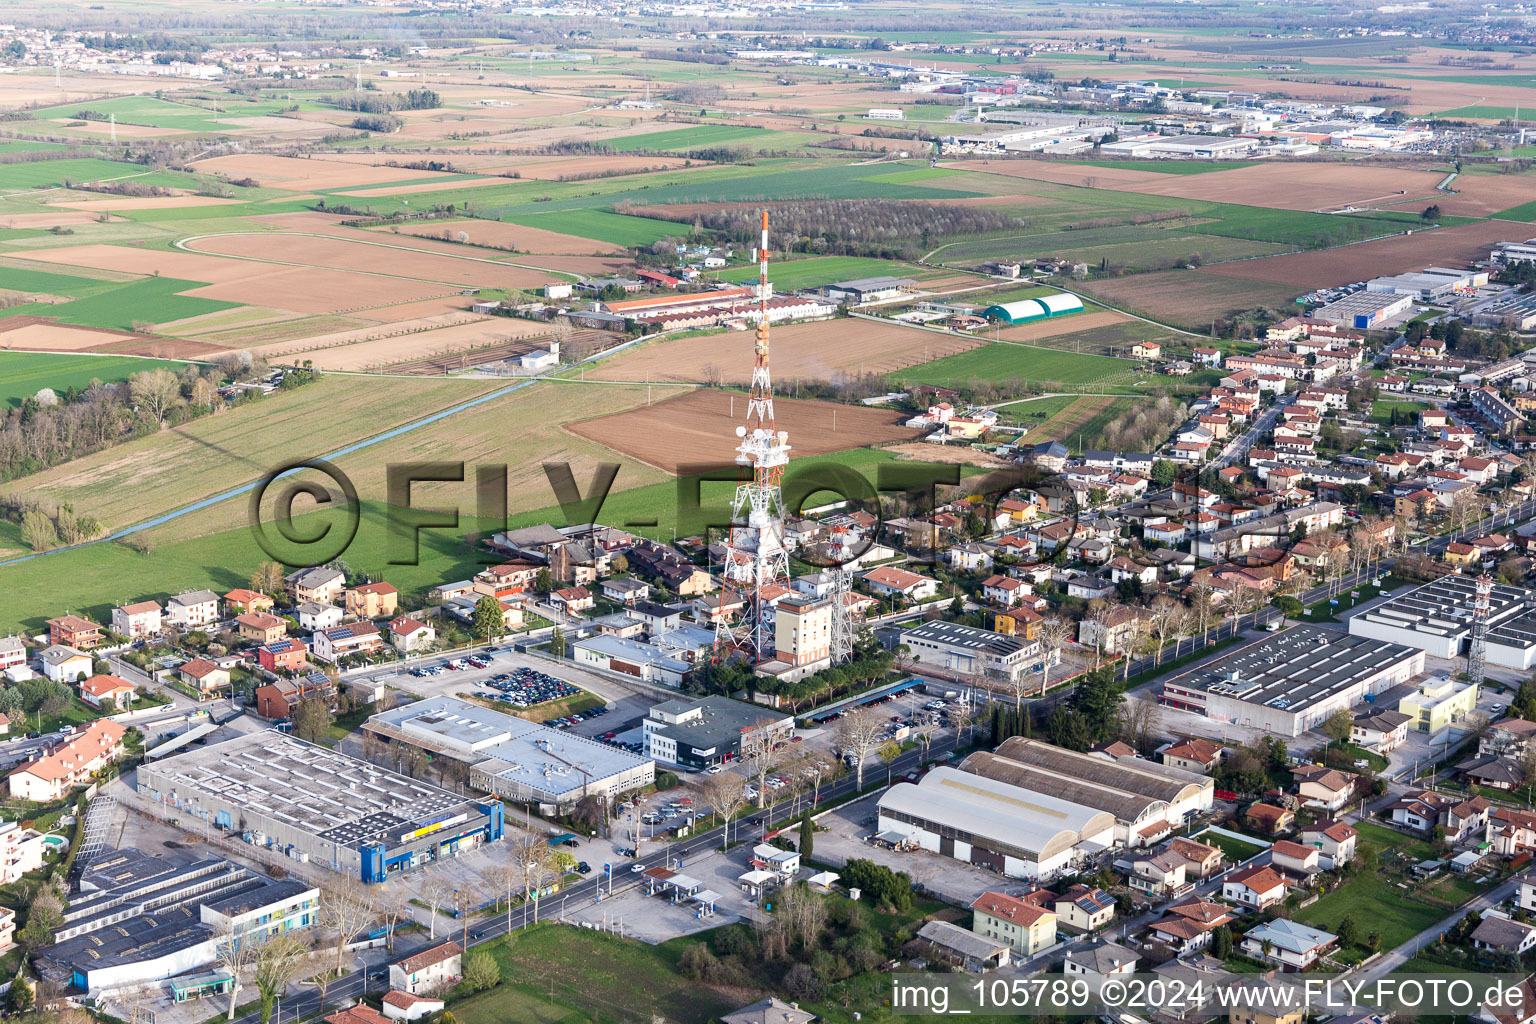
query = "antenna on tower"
{"x": 756, "y": 560}
{"x": 1477, "y": 653}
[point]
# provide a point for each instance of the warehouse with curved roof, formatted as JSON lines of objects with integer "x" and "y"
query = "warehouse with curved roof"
{"x": 1183, "y": 791}
{"x": 1139, "y": 820}
{"x": 1042, "y": 307}
{"x": 1014, "y": 831}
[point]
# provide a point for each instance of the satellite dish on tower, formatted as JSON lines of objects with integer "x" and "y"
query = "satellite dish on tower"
{"x": 741, "y": 431}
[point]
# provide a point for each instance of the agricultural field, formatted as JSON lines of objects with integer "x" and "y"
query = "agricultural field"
{"x": 599, "y": 225}
{"x": 790, "y": 275}
{"x": 696, "y": 137}
{"x": 137, "y": 481}
{"x": 1189, "y": 299}
{"x": 824, "y": 350}
{"x": 23, "y": 374}
{"x": 1002, "y": 363}
{"x": 696, "y": 428}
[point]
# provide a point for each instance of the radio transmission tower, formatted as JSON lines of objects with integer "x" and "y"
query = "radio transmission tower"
{"x": 755, "y": 557}
{"x": 841, "y": 647}
{"x": 1477, "y": 654}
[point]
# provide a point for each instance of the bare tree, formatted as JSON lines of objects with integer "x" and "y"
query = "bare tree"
{"x": 726, "y": 794}
{"x": 963, "y": 715}
{"x": 389, "y": 903}
{"x": 346, "y": 907}
{"x": 533, "y": 858}
{"x": 760, "y": 755}
{"x": 1055, "y": 634}
{"x": 435, "y": 891}
{"x": 1202, "y": 602}
{"x": 466, "y": 900}
{"x": 277, "y": 960}
{"x": 1136, "y": 633}
{"x": 857, "y": 733}
{"x": 927, "y": 724}
{"x": 505, "y": 878}
{"x": 1167, "y": 619}
{"x": 234, "y": 955}
{"x": 1101, "y": 615}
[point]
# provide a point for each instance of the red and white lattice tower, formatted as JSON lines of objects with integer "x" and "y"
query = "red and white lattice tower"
{"x": 756, "y": 562}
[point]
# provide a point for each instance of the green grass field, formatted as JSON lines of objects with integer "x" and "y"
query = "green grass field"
{"x": 151, "y": 300}
{"x": 790, "y": 275}
{"x": 54, "y": 172}
{"x": 1377, "y": 904}
{"x": 1407, "y": 413}
{"x": 41, "y": 281}
{"x": 694, "y": 137}
{"x": 1292, "y": 227}
{"x": 1485, "y": 113}
{"x": 1005, "y": 362}
{"x": 23, "y": 374}
{"x": 602, "y": 226}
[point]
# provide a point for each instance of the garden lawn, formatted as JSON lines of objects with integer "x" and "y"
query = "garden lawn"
{"x": 23, "y": 374}
{"x": 1407, "y": 413}
{"x": 1236, "y": 850}
{"x": 1377, "y": 904}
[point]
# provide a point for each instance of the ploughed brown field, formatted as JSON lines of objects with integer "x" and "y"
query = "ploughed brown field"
{"x": 812, "y": 351}
{"x": 1397, "y": 255}
{"x": 1301, "y": 185}
{"x": 699, "y": 428}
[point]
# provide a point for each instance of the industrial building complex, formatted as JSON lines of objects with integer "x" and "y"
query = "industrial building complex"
{"x": 1437, "y": 618}
{"x": 1033, "y": 810}
{"x": 315, "y": 804}
{"x": 1292, "y": 681}
{"x": 513, "y": 758}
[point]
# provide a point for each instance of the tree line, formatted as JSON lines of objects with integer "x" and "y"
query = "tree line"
{"x": 369, "y": 101}
{"x": 886, "y": 228}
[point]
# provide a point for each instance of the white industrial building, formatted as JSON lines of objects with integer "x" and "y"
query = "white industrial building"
{"x": 1437, "y": 619}
{"x": 1184, "y": 147}
{"x": 1139, "y": 820}
{"x": 1184, "y": 792}
{"x": 1291, "y": 682}
{"x": 1016, "y": 832}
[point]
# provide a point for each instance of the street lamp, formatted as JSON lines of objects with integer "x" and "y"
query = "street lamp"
{"x": 363, "y": 966}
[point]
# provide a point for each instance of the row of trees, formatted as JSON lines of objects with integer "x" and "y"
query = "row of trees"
{"x": 369, "y": 101}
{"x": 850, "y": 227}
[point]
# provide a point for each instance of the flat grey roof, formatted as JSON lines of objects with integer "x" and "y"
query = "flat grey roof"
{"x": 721, "y": 721}
{"x": 971, "y": 637}
{"x": 507, "y": 747}
{"x": 308, "y": 788}
{"x": 1444, "y": 608}
{"x": 1294, "y": 669}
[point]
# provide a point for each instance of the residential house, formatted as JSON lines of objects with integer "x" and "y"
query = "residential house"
{"x": 322, "y": 585}
{"x": 572, "y": 600}
{"x": 969, "y": 556}
{"x": 410, "y": 636}
{"x": 372, "y": 600}
{"x": 193, "y": 609}
{"x": 1103, "y": 959}
{"x": 1084, "y": 909}
{"x": 277, "y": 701}
{"x": 1158, "y": 874}
{"x": 1295, "y": 947}
{"x": 1026, "y": 927}
{"x": 626, "y": 590}
{"x": 1268, "y": 818}
{"x": 74, "y": 631}
{"x": 404, "y": 1006}
{"x": 260, "y": 627}
{"x": 1187, "y": 925}
{"x": 65, "y": 664}
{"x": 1201, "y": 860}
{"x": 348, "y": 639}
{"x": 1334, "y": 842}
{"x": 1257, "y": 887}
{"x": 966, "y": 949}
{"x": 1504, "y": 935}
{"x": 1418, "y": 811}
{"x": 70, "y": 764}
{"x": 13, "y": 652}
{"x": 136, "y": 620}
{"x": 1005, "y": 590}
{"x": 889, "y": 581}
{"x": 316, "y": 616}
{"x": 1326, "y": 789}
{"x": 107, "y": 692}
{"x": 1114, "y": 633}
{"x": 241, "y": 600}
{"x": 1295, "y": 859}
{"x": 1194, "y": 755}
{"x": 430, "y": 971}
{"x": 286, "y": 655}
{"x": 203, "y": 674}
{"x": 1379, "y": 731}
